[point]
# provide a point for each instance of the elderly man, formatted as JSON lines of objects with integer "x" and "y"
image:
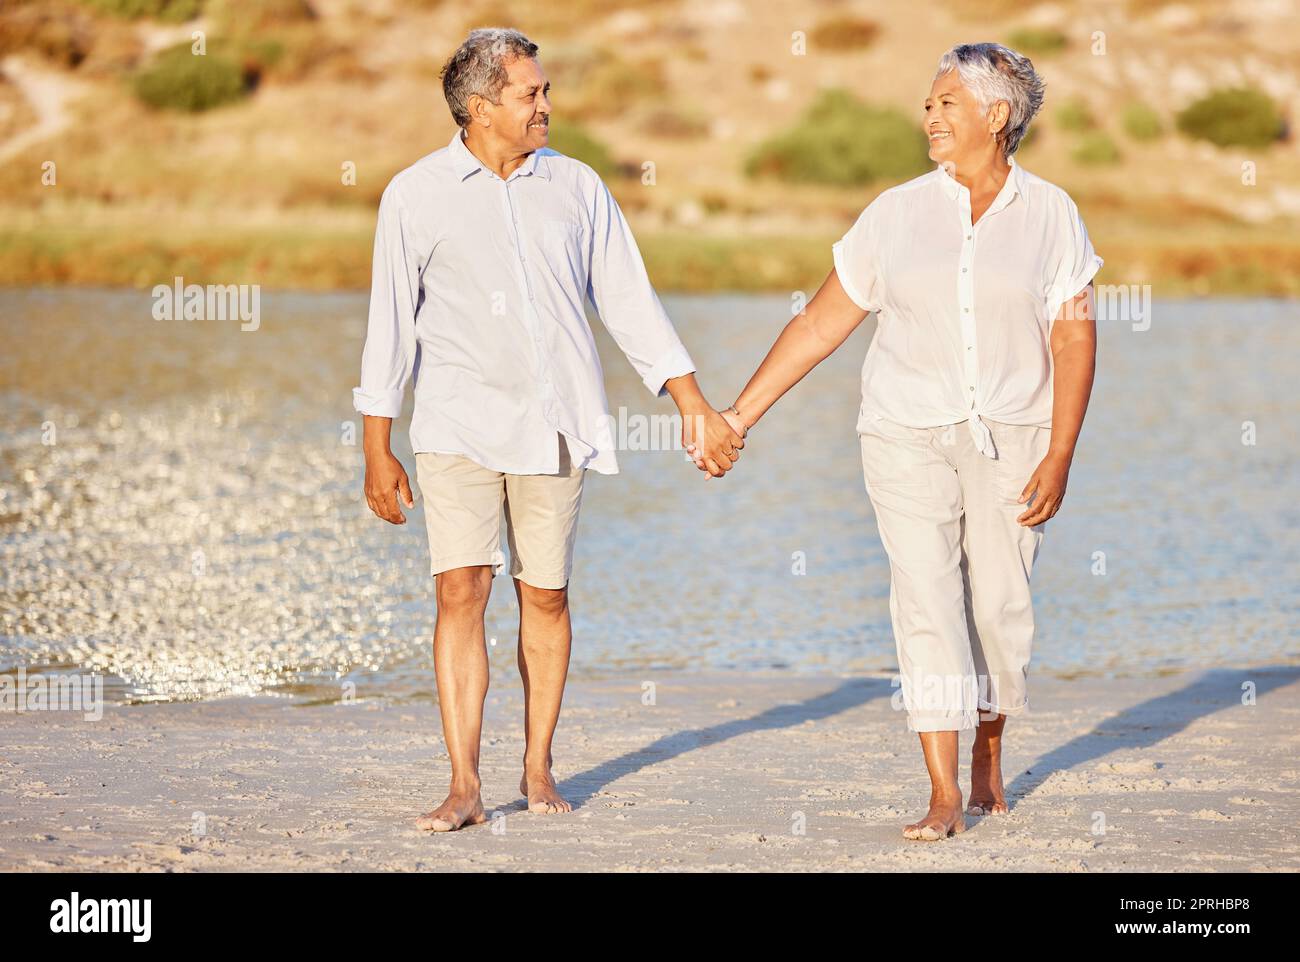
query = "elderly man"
{"x": 485, "y": 253}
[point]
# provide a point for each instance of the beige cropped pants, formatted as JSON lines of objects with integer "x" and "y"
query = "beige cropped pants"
{"x": 959, "y": 565}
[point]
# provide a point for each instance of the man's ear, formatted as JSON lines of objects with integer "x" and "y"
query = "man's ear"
{"x": 478, "y": 113}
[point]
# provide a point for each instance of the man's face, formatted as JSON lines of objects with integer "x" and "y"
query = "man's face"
{"x": 522, "y": 118}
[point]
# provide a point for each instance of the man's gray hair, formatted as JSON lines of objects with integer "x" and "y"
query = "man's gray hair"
{"x": 479, "y": 67}
{"x": 993, "y": 72}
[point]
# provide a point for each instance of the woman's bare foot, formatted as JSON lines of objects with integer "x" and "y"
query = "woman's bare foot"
{"x": 944, "y": 818}
{"x": 986, "y": 791}
{"x": 542, "y": 796}
{"x": 462, "y": 807}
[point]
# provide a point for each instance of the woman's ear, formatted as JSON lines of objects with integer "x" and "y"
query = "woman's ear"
{"x": 999, "y": 116}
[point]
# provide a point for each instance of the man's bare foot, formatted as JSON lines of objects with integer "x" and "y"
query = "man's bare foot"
{"x": 462, "y": 807}
{"x": 542, "y": 795}
{"x": 943, "y": 819}
{"x": 986, "y": 793}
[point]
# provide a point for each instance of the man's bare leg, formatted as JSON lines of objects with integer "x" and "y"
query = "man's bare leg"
{"x": 545, "y": 637}
{"x": 986, "y": 792}
{"x": 461, "y": 664}
{"x": 945, "y": 816}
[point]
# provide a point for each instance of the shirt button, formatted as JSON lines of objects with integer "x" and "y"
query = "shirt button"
{"x": 972, "y": 387}
{"x": 963, "y": 270}
{"x": 966, "y": 309}
{"x": 968, "y": 236}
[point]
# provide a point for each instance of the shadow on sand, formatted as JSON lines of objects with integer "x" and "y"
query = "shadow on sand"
{"x": 1138, "y": 726}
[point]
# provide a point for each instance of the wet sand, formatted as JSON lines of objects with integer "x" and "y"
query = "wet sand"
{"x": 723, "y": 772}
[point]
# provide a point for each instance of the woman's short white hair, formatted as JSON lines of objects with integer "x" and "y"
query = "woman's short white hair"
{"x": 993, "y": 72}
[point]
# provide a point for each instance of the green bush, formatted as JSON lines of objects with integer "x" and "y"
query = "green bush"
{"x": 175, "y": 11}
{"x": 1095, "y": 149}
{"x": 1141, "y": 122}
{"x": 574, "y": 141}
{"x": 1037, "y": 40}
{"x": 1074, "y": 115}
{"x": 843, "y": 142}
{"x": 1236, "y": 117}
{"x": 180, "y": 80}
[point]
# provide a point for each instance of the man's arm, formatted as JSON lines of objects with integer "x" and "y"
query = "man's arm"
{"x": 627, "y": 305}
{"x": 387, "y": 359}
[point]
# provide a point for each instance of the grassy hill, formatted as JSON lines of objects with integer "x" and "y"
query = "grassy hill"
{"x": 112, "y": 177}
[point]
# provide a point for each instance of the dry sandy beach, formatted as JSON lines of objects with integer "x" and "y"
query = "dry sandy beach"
{"x": 724, "y": 772}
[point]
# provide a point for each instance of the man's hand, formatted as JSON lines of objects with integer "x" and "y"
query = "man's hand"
{"x": 385, "y": 480}
{"x": 710, "y": 440}
{"x": 706, "y": 436}
{"x": 1047, "y": 487}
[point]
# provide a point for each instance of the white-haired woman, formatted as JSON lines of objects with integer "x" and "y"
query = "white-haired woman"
{"x": 973, "y": 394}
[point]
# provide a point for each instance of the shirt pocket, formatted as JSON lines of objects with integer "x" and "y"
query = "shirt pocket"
{"x": 564, "y": 247}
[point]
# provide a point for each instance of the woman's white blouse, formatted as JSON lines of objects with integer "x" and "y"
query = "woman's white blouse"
{"x": 965, "y": 313}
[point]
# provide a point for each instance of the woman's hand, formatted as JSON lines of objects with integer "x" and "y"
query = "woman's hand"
{"x": 1047, "y": 487}
{"x": 734, "y": 422}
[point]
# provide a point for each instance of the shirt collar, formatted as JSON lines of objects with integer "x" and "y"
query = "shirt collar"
{"x": 1010, "y": 189}
{"x": 465, "y": 163}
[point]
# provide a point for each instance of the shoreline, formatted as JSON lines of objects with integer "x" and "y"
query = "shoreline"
{"x": 1247, "y": 262}
{"x": 741, "y": 773}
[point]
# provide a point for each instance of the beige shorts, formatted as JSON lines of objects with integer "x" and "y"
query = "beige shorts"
{"x": 462, "y": 511}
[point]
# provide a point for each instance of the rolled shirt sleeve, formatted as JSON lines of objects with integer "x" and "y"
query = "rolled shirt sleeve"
{"x": 1077, "y": 262}
{"x": 856, "y": 261}
{"x": 389, "y": 355}
{"x": 626, "y": 303}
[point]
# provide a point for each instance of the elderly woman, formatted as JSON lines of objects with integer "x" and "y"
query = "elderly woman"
{"x": 973, "y": 394}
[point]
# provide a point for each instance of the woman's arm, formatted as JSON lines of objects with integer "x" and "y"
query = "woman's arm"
{"x": 1074, "y": 357}
{"x": 809, "y": 338}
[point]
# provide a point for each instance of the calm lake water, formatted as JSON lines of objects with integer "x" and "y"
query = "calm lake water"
{"x": 181, "y": 509}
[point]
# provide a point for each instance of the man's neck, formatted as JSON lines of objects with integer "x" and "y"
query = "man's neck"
{"x": 502, "y": 161}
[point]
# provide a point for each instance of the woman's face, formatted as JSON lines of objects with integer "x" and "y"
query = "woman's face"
{"x": 955, "y": 126}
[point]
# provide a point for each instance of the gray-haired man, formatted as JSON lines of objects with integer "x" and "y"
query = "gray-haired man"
{"x": 485, "y": 253}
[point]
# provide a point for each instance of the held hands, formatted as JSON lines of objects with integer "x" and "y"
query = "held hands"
{"x": 734, "y": 422}
{"x": 712, "y": 439}
{"x": 1047, "y": 487}
{"x": 385, "y": 480}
